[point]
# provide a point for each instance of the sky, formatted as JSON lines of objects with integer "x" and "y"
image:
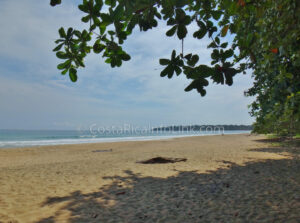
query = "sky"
{"x": 34, "y": 95}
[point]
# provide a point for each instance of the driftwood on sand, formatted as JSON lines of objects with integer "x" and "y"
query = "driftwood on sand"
{"x": 162, "y": 160}
{"x": 102, "y": 150}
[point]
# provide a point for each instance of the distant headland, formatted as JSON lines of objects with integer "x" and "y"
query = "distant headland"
{"x": 203, "y": 127}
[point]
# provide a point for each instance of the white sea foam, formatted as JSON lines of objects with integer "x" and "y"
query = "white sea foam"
{"x": 28, "y": 143}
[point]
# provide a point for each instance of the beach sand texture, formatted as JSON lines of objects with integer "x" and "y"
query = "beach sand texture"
{"x": 230, "y": 178}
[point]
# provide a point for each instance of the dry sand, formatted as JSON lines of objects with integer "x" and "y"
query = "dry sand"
{"x": 231, "y": 178}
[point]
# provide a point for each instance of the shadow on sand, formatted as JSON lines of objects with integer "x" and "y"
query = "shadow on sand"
{"x": 264, "y": 191}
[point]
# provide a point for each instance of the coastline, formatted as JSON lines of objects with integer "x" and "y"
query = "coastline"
{"x": 88, "y": 140}
{"x": 75, "y": 183}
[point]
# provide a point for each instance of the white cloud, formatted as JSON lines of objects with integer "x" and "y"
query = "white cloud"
{"x": 34, "y": 95}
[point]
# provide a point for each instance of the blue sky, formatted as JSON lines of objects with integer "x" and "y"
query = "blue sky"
{"x": 33, "y": 94}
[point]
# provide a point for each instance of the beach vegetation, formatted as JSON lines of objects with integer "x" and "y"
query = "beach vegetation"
{"x": 261, "y": 37}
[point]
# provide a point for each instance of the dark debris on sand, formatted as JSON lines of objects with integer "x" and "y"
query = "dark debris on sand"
{"x": 159, "y": 159}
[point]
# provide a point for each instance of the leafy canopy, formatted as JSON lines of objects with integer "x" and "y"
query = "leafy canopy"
{"x": 266, "y": 40}
{"x": 112, "y": 21}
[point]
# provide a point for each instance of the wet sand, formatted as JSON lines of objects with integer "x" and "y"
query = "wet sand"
{"x": 231, "y": 178}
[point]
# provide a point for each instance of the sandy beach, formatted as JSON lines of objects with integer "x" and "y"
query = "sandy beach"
{"x": 230, "y": 178}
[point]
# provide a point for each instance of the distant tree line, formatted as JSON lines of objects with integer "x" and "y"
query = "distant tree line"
{"x": 203, "y": 128}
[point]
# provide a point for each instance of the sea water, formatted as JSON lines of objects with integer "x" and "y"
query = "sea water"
{"x": 27, "y": 138}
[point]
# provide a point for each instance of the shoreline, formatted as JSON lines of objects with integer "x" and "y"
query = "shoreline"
{"x": 75, "y": 183}
{"x": 69, "y": 141}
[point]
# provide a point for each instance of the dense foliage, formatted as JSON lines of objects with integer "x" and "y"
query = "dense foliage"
{"x": 266, "y": 37}
{"x": 276, "y": 66}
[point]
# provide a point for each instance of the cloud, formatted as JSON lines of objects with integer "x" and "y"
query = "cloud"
{"x": 35, "y": 95}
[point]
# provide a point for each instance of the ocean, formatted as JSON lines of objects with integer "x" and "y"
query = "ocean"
{"x": 27, "y": 138}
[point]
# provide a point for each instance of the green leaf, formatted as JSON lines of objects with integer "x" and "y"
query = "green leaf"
{"x": 106, "y": 19}
{"x": 177, "y": 70}
{"x": 59, "y": 41}
{"x": 180, "y": 15}
{"x": 199, "y": 34}
{"x": 209, "y": 24}
{"x": 99, "y": 2}
{"x": 102, "y": 29}
{"x": 165, "y": 71}
{"x": 86, "y": 18}
{"x": 55, "y": 2}
{"x": 289, "y": 75}
{"x": 224, "y": 30}
{"x": 96, "y": 21}
{"x": 118, "y": 62}
{"x": 98, "y": 47}
{"x": 153, "y": 23}
{"x": 224, "y": 45}
{"x": 211, "y": 31}
{"x": 125, "y": 57}
{"x": 205, "y": 71}
{"x": 218, "y": 76}
{"x": 187, "y": 20}
{"x": 201, "y": 25}
{"x": 58, "y": 47}
{"x": 171, "y": 31}
{"x": 228, "y": 53}
{"x": 69, "y": 33}
{"x": 132, "y": 23}
{"x": 64, "y": 71}
{"x": 203, "y": 82}
{"x": 64, "y": 65}
{"x": 181, "y": 3}
{"x": 77, "y": 33}
{"x": 80, "y": 61}
{"x": 194, "y": 59}
{"x": 61, "y": 55}
{"x": 216, "y": 14}
{"x": 60, "y": 66}
{"x": 249, "y": 39}
{"x": 73, "y": 74}
{"x": 202, "y": 91}
{"x": 229, "y": 80}
{"x": 83, "y": 8}
{"x": 171, "y": 21}
{"x": 213, "y": 62}
{"x": 215, "y": 54}
{"x": 188, "y": 56}
{"x": 108, "y": 60}
{"x": 164, "y": 61}
{"x": 181, "y": 31}
{"x": 62, "y": 33}
{"x": 169, "y": 70}
{"x": 198, "y": 84}
{"x": 112, "y": 3}
{"x": 173, "y": 55}
{"x": 117, "y": 14}
{"x": 189, "y": 87}
{"x": 212, "y": 45}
